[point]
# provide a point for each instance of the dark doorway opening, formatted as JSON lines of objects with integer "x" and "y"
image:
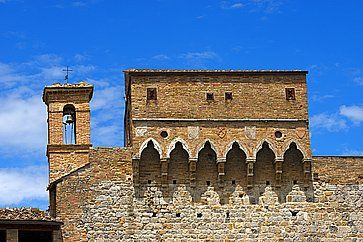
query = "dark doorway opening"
{"x": 2, "y": 235}
{"x": 35, "y": 236}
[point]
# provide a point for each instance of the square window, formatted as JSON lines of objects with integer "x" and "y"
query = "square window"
{"x": 228, "y": 96}
{"x": 210, "y": 96}
{"x": 290, "y": 93}
{"x": 151, "y": 94}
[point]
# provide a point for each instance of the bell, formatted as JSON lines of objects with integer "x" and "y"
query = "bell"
{"x": 69, "y": 119}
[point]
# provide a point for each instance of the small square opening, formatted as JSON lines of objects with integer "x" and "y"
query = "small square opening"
{"x": 210, "y": 96}
{"x": 233, "y": 182}
{"x": 295, "y": 182}
{"x": 208, "y": 183}
{"x": 267, "y": 183}
{"x": 177, "y": 215}
{"x": 174, "y": 181}
{"x": 228, "y": 96}
{"x": 148, "y": 181}
{"x": 290, "y": 93}
{"x": 199, "y": 215}
{"x": 151, "y": 94}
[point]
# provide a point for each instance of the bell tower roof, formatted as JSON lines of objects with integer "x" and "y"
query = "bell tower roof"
{"x": 67, "y": 88}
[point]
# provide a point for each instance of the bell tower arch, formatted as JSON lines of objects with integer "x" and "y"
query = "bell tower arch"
{"x": 68, "y": 127}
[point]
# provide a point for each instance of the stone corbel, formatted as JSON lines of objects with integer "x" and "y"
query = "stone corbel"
{"x": 164, "y": 171}
{"x": 192, "y": 171}
{"x": 135, "y": 170}
{"x": 250, "y": 172}
{"x": 278, "y": 170}
{"x": 221, "y": 171}
{"x": 307, "y": 171}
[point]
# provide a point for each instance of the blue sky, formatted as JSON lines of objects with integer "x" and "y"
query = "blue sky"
{"x": 99, "y": 39}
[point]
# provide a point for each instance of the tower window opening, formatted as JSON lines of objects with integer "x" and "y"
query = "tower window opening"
{"x": 151, "y": 94}
{"x": 69, "y": 124}
{"x": 228, "y": 96}
{"x": 210, "y": 96}
{"x": 290, "y": 93}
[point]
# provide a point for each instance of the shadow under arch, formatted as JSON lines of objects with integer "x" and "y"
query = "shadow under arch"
{"x": 149, "y": 168}
{"x": 178, "y": 169}
{"x": 235, "y": 170}
{"x": 292, "y": 170}
{"x": 206, "y": 172}
{"x": 156, "y": 146}
{"x": 264, "y": 170}
{"x": 173, "y": 144}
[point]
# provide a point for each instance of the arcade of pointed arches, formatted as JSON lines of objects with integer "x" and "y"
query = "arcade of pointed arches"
{"x": 235, "y": 167}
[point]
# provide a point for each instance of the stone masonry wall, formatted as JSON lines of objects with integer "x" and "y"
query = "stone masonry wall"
{"x": 100, "y": 203}
{"x": 339, "y": 169}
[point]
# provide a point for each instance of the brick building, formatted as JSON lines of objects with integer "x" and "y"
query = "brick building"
{"x": 209, "y": 155}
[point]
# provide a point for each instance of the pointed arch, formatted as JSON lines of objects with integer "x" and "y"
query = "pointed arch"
{"x": 298, "y": 146}
{"x": 264, "y": 170}
{"x": 260, "y": 144}
{"x": 230, "y": 146}
{"x": 157, "y": 146}
{"x": 172, "y": 146}
{"x": 235, "y": 167}
{"x": 201, "y": 146}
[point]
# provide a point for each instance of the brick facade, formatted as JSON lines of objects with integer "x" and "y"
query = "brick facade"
{"x": 199, "y": 169}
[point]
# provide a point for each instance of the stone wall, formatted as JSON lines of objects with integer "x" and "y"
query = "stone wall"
{"x": 339, "y": 169}
{"x": 102, "y": 203}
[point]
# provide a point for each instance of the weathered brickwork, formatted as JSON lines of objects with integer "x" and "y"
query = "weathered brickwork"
{"x": 197, "y": 169}
{"x": 338, "y": 169}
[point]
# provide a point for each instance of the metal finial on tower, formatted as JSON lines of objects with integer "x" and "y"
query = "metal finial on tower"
{"x": 67, "y": 70}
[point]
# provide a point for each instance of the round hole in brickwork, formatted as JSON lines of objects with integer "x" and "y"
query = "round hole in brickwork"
{"x": 164, "y": 134}
{"x": 278, "y": 134}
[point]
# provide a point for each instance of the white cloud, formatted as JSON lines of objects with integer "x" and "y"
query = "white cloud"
{"x": 320, "y": 98}
{"x": 107, "y": 98}
{"x": 237, "y": 5}
{"x": 206, "y": 55}
{"x": 354, "y": 113}
{"x": 331, "y": 122}
{"x": 266, "y": 6}
{"x": 350, "y": 152}
{"x": 21, "y": 184}
{"x": 52, "y": 73}
{"x": 358, "y": 80}
{"x": 80, "y": 57}
{"x": 161, "y": 57}
{"x": 79, "y": 4}
{"x": 22, "y": 120}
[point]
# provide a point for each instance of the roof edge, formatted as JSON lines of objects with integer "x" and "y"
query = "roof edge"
{"x": 182, "y": 71}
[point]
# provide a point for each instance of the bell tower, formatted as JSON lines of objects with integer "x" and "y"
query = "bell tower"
{"x": 68, "y": 127}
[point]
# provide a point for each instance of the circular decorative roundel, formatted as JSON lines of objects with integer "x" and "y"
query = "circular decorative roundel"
{"x": 278, "y": 134}
{"x": 164, "y": 134}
